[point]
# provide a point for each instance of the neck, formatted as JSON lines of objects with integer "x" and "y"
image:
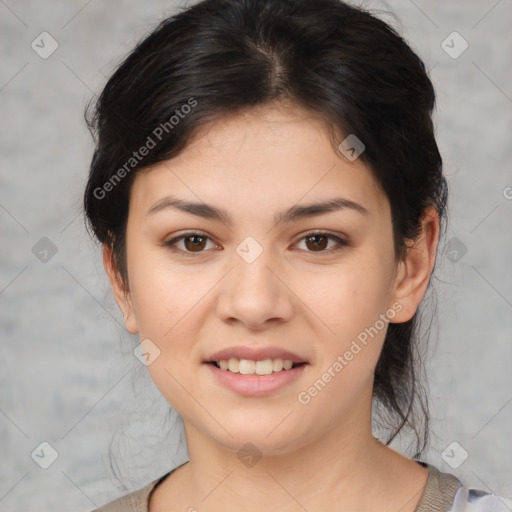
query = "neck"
{"x": 360, "y": 473}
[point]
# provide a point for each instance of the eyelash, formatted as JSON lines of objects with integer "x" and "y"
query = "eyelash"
{"x": 171, "y": 244}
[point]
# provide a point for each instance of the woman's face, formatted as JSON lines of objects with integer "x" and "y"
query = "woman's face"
{"x": 252, "y": 274}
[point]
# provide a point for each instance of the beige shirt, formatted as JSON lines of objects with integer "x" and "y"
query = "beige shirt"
{"x": 438, "y": 496}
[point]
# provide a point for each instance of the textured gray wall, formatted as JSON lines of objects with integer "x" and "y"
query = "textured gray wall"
{"x": 68, "y": 376}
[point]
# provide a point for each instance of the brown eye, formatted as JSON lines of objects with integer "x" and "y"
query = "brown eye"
{"x": 189, "y": 244}
{"x": 195, "y": 243}
{"x": 318, "y": 242}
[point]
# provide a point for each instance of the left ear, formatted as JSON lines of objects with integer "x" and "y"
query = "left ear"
{"x": 413, "y": 273}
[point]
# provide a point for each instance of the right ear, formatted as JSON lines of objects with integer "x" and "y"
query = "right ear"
{"x": 121, "y": 295}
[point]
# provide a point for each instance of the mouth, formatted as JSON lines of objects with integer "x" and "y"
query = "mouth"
{"x": 256, "y": 378}
{"x": 256, "y": 367}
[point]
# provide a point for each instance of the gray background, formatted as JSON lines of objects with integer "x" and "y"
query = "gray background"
{"x": 68, "y": 375}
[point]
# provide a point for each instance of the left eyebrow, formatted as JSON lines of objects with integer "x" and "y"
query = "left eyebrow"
{"x": 292, "y": 214}
{"x": 310, "y": 210}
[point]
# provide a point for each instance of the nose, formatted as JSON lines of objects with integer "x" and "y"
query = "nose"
{"x": 255, "y": 293}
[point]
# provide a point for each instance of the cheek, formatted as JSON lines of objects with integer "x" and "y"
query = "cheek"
{"x": 163, "y": 295}
{"x": 351, "y": 306}
{"x": 349, "y": 298}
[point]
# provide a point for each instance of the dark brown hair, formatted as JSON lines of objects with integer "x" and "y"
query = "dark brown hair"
{"x": 338, "y": 62}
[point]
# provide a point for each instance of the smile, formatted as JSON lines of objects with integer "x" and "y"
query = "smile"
{"x": 252, "y": 383}
{"x": 250, "y": 367}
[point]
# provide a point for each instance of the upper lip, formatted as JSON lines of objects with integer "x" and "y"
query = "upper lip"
{"x": 254, "y": 354}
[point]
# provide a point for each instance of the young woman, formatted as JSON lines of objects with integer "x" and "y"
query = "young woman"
{"x": 269, "y": 195}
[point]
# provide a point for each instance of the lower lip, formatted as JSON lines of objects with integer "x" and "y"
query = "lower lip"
{"x": 256, "y": 385}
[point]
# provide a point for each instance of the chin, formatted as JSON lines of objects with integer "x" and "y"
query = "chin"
{"x": 266, "y": 435}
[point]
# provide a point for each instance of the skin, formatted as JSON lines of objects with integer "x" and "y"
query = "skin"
{"x": 318, "y": 456}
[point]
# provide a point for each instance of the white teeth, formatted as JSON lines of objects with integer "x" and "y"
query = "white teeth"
{"x": 277, "y": 364}
{"x": 233, "y": 365}
{"x": 246, "y": 367}
{"x": 249, "y": 367}
{"x": 264, "y": 367}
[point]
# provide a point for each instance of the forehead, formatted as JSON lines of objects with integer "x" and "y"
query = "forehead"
{"x": 268, "y": 156}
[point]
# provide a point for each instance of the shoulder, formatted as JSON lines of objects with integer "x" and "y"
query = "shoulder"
{"x": 136, "y": 501}
{"x": 444, "y": 492}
